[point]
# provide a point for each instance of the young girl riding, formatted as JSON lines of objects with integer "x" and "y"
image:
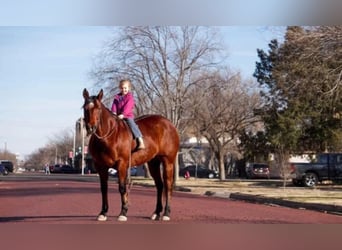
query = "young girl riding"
{"x": 123, "y": 106}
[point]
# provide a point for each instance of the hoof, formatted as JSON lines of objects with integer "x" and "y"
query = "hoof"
{"x": 155, "y": 217}
{"x": 122, "y": 218}
{"x": 166, "y": 218}
{"x": 101, "y": 217}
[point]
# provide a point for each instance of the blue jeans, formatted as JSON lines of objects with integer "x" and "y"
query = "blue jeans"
{"x": 134, "y": 128}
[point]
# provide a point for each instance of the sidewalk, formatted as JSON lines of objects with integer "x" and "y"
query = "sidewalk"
{"x": 325, "y": 198}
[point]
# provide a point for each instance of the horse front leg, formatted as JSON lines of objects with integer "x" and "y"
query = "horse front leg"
{"x": 124, "y": 195}
{"x": 104, "y": 193}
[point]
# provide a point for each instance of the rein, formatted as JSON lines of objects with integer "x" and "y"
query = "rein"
{"x": 105, "y": 136}
{"x": 129, "y": 177}
{"x": 110, "y": 132}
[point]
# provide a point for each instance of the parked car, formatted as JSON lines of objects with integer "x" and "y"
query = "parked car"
{"x": 3, "y": 170}
{"x": 327, "y": 167}
{"x": 7, "y": 164}
{"x": 64, "y": 169}
{"x": 67, "y": 169}
{"x": 257, "y": 170}
{"x": 55, "y": 169}
{"x": 199, "y": 171}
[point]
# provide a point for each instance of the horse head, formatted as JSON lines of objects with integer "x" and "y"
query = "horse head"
{"x": 92, "y": 110}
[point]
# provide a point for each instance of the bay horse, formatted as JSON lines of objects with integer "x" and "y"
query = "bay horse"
{"x": 111, "y": 145}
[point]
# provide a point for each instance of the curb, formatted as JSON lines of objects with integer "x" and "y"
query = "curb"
{"x": 259, "y": 199}
{"x": 325, "y": 208}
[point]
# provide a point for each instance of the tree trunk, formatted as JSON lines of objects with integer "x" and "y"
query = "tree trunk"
{"x": 221, "y": 166}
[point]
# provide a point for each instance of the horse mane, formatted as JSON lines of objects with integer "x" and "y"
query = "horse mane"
{"x": 143, "y": 116}
{"x": 92, "y": 98}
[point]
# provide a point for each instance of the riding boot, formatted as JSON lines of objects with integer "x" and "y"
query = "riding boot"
{"x": 141, "y": 143}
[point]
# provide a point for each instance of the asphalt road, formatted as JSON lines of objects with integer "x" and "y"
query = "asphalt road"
{"x": 75, "y": 199}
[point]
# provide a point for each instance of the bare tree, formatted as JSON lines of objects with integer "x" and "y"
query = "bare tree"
{"x": 164, "y": 63}
{"x": 8, "y": 155}
{"x": 221, "y": 108}
{"x": 281, "y": 163}
{"x": 57, "y": 149}
{"x": 322, "y": 45}
{"x": 61, "y": 144}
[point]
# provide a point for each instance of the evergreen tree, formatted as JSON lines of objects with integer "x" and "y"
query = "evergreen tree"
{"x": 301, "y": 90}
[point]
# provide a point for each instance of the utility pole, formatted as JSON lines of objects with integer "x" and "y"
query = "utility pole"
{"x": 73, "y": 148}
{"x": 82, "y": 134}
{"x": 5, "y": 153}
{"x": 56, "y": 156}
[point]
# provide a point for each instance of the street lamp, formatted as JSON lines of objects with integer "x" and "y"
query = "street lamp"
{"x": 80, "y": 122}
{"x": 82, "y": 133}
{"x": 198, "y": 153}
{"x": 73, "y": 150}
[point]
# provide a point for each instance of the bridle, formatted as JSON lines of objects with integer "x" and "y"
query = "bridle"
{"x": 93, "y": 129}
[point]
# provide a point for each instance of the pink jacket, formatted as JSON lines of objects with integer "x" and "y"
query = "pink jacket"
{"x": 123, "y": 104}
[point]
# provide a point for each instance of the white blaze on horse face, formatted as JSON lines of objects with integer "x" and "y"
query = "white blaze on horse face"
{"x": 91, "y": 105}
{"x": 88, "y": 118}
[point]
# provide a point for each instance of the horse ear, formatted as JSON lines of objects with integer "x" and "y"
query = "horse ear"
{"x": 100, "y": 95}
{"x": 85, "y": 94}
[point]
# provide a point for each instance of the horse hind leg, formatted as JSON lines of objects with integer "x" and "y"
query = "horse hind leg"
{"x": 124, "y": 195}
{"x": 154, "y": 168}
{"x": 168, "y": 179}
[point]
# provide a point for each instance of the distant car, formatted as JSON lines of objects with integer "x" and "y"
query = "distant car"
{"x": 257, "y": 170}
{"x": 64, "y": 169}
{"x": 7, "y": 164}
{"x": 3, "y": 170}
{"x": 55, "y": 169}
{"x": 67, "y": 169}
{"x": 199, "y": 171}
